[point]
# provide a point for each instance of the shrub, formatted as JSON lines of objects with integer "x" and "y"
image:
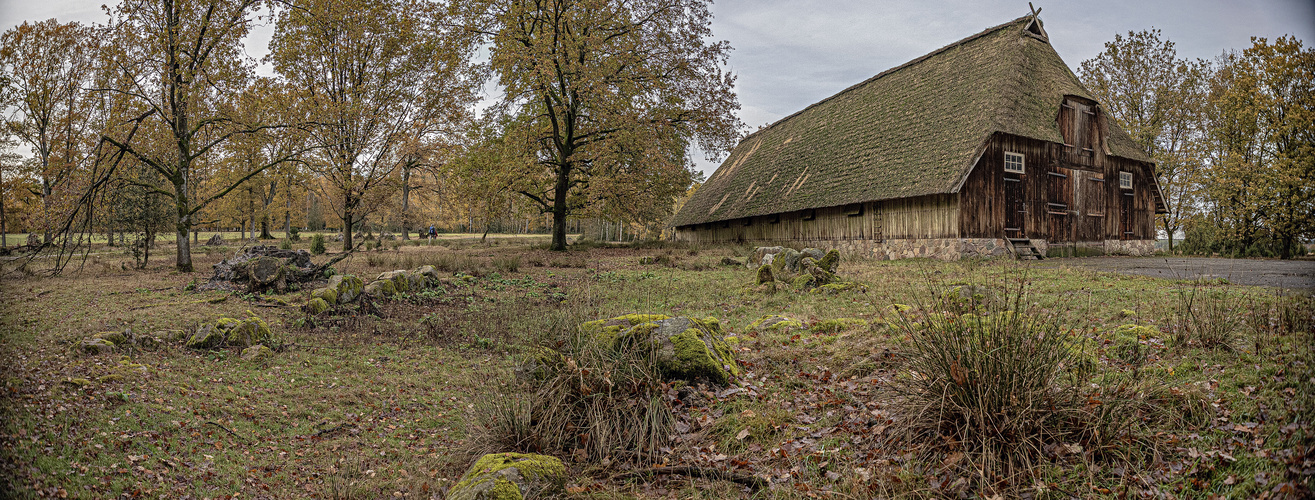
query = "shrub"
{"x": 286, "y": 244}
{"x": 1206, "y": 317}
{"x": 317, "y": 244}
{"x": 294, "y": 233}
{"x": 1001, "y": 386}
{"x": 586, "y": 387}
{"x": 507, "y": 263}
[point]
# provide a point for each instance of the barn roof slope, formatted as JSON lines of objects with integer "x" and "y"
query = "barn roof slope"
{"x": 913, "y": 130}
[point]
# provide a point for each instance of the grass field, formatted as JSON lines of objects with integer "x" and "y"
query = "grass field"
{"x": 1212, "y": 398}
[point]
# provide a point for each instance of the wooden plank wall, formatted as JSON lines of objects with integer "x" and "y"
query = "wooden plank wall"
{"x": 935, "y": 216}
{"x": 1049, "y": 178}
{"x": 829, "y": 223}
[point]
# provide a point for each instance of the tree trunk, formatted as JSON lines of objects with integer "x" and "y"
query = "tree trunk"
{"x": 406, "y": 202}
{"x": 181, "y": 228}
{"x": 559, "y": 208}
{"x": 264, "y": 229}
{"x": 4, "y": 229}
{"x": 347, "y": 229}
{"x": 45, "y": 209}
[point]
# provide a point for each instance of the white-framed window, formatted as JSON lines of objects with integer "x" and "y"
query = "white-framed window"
{"x": 1125, "y": 180}
{"x": 1014, "y": 163}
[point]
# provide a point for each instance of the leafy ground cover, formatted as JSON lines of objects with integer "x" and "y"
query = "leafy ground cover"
{"x": 1188, "y": 389}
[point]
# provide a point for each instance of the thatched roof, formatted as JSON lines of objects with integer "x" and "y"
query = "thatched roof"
{"x": 913, "y": 130}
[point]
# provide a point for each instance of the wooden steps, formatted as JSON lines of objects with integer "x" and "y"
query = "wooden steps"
{"x": 1024, "y": 250}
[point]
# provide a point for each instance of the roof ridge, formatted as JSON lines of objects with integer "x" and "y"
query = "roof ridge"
{"x": 922, "y": 58}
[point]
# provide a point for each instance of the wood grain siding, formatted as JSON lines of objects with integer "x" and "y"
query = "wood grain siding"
{"x": 1058, "y": 199}
{"x": 850, "y": 222}
{"x": 934, "y": 216}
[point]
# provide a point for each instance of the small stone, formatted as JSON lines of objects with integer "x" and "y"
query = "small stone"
{"x": 95, "y": 346}
{"x": 257, "y": 352}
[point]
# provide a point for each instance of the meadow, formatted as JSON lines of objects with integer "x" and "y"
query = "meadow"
{"x": 1126, "y": 385}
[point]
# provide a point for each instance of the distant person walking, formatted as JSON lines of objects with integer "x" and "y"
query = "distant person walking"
{"x": 433, "y": 233}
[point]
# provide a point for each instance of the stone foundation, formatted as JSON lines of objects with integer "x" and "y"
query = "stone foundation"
{"x": 940, "y": 248}
{"x": 1135, "y": 248}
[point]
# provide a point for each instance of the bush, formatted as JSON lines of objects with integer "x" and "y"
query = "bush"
{"x": 286, "y": 244}
{"x": 1004, "y": 386}
{"x": 294, "y": 233}
{"x": 1206, "y": 317}
{"x": 317, "y": 244}
{"x": 507, "y": 263}
{"x": 586, "y": 387}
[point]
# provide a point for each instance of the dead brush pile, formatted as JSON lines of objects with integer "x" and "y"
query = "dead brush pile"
{"x": 994, "y": 388}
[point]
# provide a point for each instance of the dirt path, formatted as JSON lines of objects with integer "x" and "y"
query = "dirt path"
{"x": 1293, "y": 274}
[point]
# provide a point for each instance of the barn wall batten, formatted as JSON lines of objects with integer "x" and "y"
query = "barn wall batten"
{"x": 967, "y": 151}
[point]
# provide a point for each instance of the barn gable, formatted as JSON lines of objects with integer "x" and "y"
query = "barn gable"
{"x": 912, "y": 131}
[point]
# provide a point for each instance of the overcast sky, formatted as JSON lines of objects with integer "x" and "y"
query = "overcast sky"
{"x": 791, "y": 53}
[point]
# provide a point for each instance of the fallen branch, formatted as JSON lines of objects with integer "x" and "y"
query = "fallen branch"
{"x": 230, "y": 431}
{"x": 331, "y": 430}
{"x": 754, "y": 482}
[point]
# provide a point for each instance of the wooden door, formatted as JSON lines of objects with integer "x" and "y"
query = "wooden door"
{"x": 1127, "y": 224}
{"x": 1015, "y": 206}
{"x": 1059, "y": 198}
{"x": 1092, "y": 208}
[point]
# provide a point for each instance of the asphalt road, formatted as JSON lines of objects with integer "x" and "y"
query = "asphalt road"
{"x": 1292, "y": 274}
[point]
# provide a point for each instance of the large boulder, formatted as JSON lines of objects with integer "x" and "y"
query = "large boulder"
{"x": 787, "y": 260}
{"x": 687, "y": 348}
{"x": 206, "y": 337}
{"x": 830, "y": 262}
{"x": 230, "y": 331}
{"x": 815, "y": 253}
{"x": 349, "y": 287}
{"x": 327, "y": 294}
{"x": 761, "y": 253}
{"x": 606, "y": 330}
{"x": 244, "y": 332}
{"x": 403, "y": 280}
{"x": 510, "y": 476}
{"x": 428, "y": 273}
{"x": 380, "y": 288}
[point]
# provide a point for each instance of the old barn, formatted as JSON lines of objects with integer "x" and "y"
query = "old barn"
{"x": 988, "y": 146}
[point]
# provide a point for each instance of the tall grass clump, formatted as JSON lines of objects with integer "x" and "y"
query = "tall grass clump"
{"x": 582, "y": 396}
{"x": 1207, "y": 317}
{"x": 317, "y": 244}
{"x": 507, "y": 263}
{"x": 1002, "y": 386}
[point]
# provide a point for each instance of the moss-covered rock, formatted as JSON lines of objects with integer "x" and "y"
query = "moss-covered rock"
{"x": 786, "y": 261}
{"x": 765, "y": 274}
{"x": 510, "y": 476}
{"x": 257, "y": 352}
{"x": 606, "y": 330}
{"x": 837, "y": 325}
{"x": 349, "y": 287}
{"x": 830, "y": 262}
{"x": 380, "y": 288}
{"x": 812, "y": 253}
{"x": 760, "y": 256}
{"x": 95, "y": 346}
{"x": 315, "y": 306}
{"x": 206, "y": 337}
{"x": 245, "y": 332}
{"x": 687, "y": 348}
{"x": 774, "y": 323}
{"x": 116, "y": 338}
{"x": 147, "y": 342}
{"x": 428, "y": 273}
{"x": 327, "y": 294}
